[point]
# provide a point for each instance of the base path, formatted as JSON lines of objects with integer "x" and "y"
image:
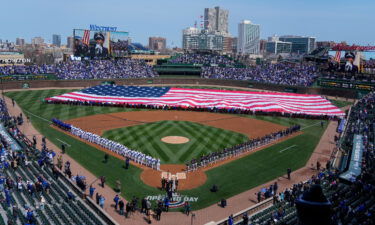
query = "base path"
{"x": 250, "y": 127}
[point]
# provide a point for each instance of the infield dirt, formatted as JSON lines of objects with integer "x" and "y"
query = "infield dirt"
{"x": 252, "y": 128}
{"x": 100, "y": 123}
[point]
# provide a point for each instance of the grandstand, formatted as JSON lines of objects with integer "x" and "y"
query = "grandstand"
{"x": 192, "y": 63}
{"x": 64, "y": 202}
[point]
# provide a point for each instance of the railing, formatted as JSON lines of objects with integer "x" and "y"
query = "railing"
{"x": 249, "y": 211}
{"x": 93, "y": 206}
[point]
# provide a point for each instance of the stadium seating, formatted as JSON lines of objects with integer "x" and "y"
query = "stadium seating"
{"x": 352, "y": 202}
{"x": 281, "y": 73}
{"x": 57, "y": 208}
{"x": 94, "y": 69}
{"x": 203, "y": 59}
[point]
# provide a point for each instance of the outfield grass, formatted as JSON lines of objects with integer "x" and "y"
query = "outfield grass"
{"x": 232, "y": 178}
{"x": 202, "y": 139}
{"x": 340, "y": 103}
{"x": 215, "y": 88}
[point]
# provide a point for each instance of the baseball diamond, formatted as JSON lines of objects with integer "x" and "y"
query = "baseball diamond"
{"x": 208, "y": 132}
{"x": 203, "y": 139}
{"x": 226, "y": 175}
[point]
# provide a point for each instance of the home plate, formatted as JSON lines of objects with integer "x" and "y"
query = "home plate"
{"x": 181, "y": 176}
{"x": 164, "y": 175}
{"x": 169, "y": 176}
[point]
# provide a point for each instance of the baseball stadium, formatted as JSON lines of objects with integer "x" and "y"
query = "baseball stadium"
{"x": 116, "y": 133}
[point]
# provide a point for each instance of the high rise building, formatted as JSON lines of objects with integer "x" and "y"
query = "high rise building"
{"x": 20, "y": 41}
{"x": 56, "y": 40}
{"x": 278, "y": 47}
{"x": 248, "y": 38}
{"x": 69, "y": 42}
{"x": 230, "y": 44}
{"x": 234, "y": 44}
{"x": 37, "y": 41}
{"x": 189, "y": 40}
{"x": 300, "y": 44}
{"x": 157, "y": 43}
{"x": 262, "y": 46}
{"x": 195, "y": 39}
{"x": 216, "y": 19}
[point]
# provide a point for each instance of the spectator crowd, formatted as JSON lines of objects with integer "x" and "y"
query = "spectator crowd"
{"x": 25, "y": 70}
{"x": 104, "y": 69}
{"x": 205, "y": 59}
{"x": 91, "y": 69}
{"x": 369, "y": 66}
{"x": 281, "y": 73}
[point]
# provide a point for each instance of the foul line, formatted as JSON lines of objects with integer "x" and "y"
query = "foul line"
{"x": 63, "y": 142}
{"x": 37, "y": 116}
{"x": 310, "y": 125}
{"x": 287, "y": 148}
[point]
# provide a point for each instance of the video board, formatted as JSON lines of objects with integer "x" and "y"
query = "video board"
{"x": 99, "y": 44}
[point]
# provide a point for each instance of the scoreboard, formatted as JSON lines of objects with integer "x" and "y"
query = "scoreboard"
{"x": 346, "y": 84}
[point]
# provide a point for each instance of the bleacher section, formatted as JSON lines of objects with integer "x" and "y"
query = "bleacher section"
{"x": 191, "y": 64}
{"x": 26, "y": 177}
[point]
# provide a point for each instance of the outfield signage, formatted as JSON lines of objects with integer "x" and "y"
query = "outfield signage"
{"x": 177, "y": 200}
{"x": 24, "y": 77}
{"x": 355, "y": 165}
{"x": 346, "y": 84}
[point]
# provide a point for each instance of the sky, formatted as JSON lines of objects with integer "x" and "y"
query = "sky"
{"x": 337, "y": 20}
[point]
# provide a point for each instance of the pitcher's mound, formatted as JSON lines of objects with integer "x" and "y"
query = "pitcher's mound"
{"x": 175, "y": 139}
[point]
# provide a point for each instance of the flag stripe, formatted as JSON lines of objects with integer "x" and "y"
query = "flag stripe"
{"x": 86, "y": 37}
{"x": 206, "y": 98}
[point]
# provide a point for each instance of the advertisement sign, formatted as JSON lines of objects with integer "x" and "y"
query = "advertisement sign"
{"x": 355, "y": 165}
{"x": 177, "y": 200}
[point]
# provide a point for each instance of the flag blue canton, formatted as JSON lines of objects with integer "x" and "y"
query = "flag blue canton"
{"x": 126, "y": 91}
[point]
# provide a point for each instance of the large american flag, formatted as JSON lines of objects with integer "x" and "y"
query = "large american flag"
{"x": 204, "y": 98}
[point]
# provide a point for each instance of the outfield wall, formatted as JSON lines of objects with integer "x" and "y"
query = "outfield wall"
{"x": 346, "y": 93}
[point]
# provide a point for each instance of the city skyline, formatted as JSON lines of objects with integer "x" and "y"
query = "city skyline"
{"x": 281, "y": 18}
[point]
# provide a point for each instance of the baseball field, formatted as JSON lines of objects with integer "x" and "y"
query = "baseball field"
{"x": 145, "y": 134}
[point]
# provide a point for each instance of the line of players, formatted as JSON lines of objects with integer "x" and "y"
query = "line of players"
{"x": 117, "y": 148}
{"x": 239, "y": 149}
